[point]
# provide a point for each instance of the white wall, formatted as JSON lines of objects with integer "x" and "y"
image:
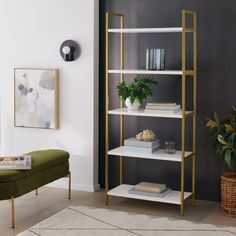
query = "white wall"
{"x": 31, "y": 34}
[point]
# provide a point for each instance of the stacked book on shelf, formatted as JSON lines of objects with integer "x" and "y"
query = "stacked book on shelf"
{"x": 150, "y": 189}
{"x": 15, "y": 162}
{"x": 135, "y": 145}
{"x": 170, "y": 108}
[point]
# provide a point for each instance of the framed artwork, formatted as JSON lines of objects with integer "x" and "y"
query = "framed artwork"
{"x": 36, "y": 98}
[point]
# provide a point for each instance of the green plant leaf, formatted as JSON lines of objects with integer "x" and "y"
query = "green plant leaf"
{"x": 222, "y": 140}
{"x": 228, "y": 157}
{"x": 140, "y": 88}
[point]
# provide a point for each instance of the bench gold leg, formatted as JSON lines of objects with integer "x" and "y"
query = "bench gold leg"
{"x": 36, "y": 192}
{"x": 69, "y": 176}
{"x": 12, "y": 212}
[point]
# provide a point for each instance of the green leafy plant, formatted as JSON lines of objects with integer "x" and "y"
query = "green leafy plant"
{"x": 139, "y": 89}
{"x": 223, "y": 133}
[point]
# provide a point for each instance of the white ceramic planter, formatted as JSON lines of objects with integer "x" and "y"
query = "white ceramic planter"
{"x": 134, "y": 106}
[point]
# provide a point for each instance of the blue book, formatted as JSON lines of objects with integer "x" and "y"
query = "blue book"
{"x": 158, "y": 59}
{"x": 147, "y": 59}
{"x": 151, "y": 65}
{"x": 162, "y": 59}
{"x": 141, "y": 149}
{"x": 133, "y": 142}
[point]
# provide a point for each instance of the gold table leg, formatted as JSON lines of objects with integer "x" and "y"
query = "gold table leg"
{"x": 69, "y": 196}
{"x": 12, "y": 212}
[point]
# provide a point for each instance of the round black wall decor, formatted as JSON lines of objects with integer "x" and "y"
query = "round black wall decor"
{"x": 69, "y": 50}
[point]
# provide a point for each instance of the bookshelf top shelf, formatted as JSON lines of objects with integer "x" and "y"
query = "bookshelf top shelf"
{"x": 152, "y": 72}
{"x": 150, "y": 30}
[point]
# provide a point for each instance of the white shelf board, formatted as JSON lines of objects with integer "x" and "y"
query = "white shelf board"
{"x": 147, "y": 30}
{"x": 147, "y": 72}
{"x": 172, "y": 197}
{"x": 159, "y": 155}
{"x": 141, "y": 112}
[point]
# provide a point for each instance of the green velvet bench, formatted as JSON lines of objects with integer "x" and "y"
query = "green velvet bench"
{"x": 47, "y": 166}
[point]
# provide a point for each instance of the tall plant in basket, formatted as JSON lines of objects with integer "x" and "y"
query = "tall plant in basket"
{"x": 223, "y": 133}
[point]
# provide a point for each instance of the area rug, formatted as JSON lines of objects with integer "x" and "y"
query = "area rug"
{"x": 86, "y": 221}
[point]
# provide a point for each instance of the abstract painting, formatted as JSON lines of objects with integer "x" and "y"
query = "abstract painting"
{"x": 36, "y": 98}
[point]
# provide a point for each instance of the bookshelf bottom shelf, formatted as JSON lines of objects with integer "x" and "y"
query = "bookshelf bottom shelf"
{"x": 172, "y": 197}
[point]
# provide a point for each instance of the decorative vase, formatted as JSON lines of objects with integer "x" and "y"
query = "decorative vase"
{"x": 228, "y": 193}
{"x": 135, "y": 106}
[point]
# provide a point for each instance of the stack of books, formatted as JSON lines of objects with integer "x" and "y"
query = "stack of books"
{"x": 150, "y": 189}
{"x": 135, "y": 145}
{"x": 155, "y": 59}
{"x": 15, "y": 163}
{"x": 171, "y": 107}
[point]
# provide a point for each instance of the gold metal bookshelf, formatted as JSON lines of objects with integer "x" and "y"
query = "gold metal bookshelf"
{"x": 175, "y": 197}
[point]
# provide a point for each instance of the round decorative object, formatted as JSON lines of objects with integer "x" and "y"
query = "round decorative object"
{"x": 146, "y": 135}
{"x": 69, "y": 50}
{"x": 135, "y": 106}
{"x": 228, "y": 193}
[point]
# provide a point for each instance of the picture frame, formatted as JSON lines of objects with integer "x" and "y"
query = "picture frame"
{"x": 36, "y": 98}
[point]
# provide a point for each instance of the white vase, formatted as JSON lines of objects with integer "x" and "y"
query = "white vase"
{"x": 134, "y": 106}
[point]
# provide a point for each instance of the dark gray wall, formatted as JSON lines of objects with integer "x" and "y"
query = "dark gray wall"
{"x": 216, "y": 85}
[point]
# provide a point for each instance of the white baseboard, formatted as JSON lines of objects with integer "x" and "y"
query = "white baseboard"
{"x": 63, "y": 183}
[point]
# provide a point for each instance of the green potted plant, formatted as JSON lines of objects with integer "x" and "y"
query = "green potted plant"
{"x": 136, "y": 91}
{"x": 223, "y": 132}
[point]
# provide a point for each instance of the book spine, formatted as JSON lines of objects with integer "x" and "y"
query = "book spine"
{"x": 162, "y": 111}
{"x": 172, "y": 108}
{"x": 158, "y": 52}
{"x": 162, "y": 59}
{"x": 147, "y": 59}
{"x": 142, "y": 143}
{"x": 151, "y": 59}
{"x": 162, "y": 104}
{"x": 141, "y": 149}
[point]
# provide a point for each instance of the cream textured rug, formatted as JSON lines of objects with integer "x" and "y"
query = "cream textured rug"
{"x": 85, "y": 221}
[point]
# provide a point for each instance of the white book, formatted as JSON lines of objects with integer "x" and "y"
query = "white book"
{"x": 150, "y": 194}
{"x": 175, "y": 107}
{"x": 163, "y": 111}
{"x": 161, "y": 104}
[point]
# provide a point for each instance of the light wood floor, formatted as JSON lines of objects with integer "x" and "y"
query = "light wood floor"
{"x": 31, "y": 209}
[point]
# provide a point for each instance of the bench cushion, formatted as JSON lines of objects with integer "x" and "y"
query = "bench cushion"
{"x": 34, "y": 181}
{"x": 41, "y": 160}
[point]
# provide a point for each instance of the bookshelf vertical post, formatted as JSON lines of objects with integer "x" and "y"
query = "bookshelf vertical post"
{"x": 108, "y": 14}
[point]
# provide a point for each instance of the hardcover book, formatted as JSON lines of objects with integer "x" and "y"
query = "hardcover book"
{"x": 133, "y": 142}
{"x": 151, "y": 107}
{"x": 163, "y": 111}
{"x": 150, "y": 187}
{"x": 158, "y": 59}
{"x": 141, "y": 149}
{"x": 150, "y": 194}
{"x": 147, "y": 59}
{"x": 161, "y": 103}
{"x": 162, "y": 58}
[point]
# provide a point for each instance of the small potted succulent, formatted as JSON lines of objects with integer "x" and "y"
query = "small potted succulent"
{"x": 136, "y": 91}
{"x": 223, "y": 132}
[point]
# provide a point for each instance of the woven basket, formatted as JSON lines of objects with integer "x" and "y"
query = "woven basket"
{"x": 228, "y": 193}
